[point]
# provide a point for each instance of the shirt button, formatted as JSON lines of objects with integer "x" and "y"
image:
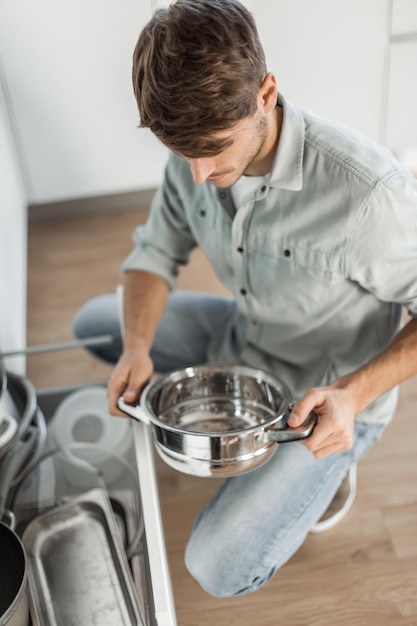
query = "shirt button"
{"x": 243, "y": 292}
{"x": 264, "y": 188}
{"x": 287, "y": 252}
{"x": 203, "y": 213}
{"x": 240, "y": 249}
{"x": 223, "y": 195}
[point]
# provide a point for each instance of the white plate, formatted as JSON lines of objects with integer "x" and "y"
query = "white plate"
{"x": 82, "y": 418}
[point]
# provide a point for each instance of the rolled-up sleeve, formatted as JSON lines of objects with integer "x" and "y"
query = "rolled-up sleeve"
{"x": 381, "y": 253}
{"x": 164, "y": 243}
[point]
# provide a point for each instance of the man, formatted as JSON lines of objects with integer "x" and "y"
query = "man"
{"x": 312, "y": 227}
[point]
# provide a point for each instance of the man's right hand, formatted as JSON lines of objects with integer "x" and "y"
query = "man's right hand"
{"x": 130, "y": 375}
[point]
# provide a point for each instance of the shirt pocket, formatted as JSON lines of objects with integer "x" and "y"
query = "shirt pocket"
{"x": 293, "y": 284}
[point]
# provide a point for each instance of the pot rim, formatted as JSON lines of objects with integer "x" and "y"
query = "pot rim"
{"x": 188, "y": 372}
{"x": 25, "y": 387}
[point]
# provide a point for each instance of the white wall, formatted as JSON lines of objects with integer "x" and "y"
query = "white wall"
{"x": 402, "y": 83}
{"x": 328, "y": 55}
{"x": 68, "y": 68}
{"x": 13, "y": 256}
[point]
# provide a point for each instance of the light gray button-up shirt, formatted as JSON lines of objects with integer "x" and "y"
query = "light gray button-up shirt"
{"x": 320, "y": 261}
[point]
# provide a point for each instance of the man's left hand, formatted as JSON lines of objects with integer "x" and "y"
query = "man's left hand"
{"x": 334, "y": 429}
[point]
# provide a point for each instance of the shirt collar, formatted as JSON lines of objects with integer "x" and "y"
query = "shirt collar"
{"x": 287, "y": 167}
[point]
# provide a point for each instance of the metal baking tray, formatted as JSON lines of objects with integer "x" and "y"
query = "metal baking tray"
{"x": 77, "y": 570}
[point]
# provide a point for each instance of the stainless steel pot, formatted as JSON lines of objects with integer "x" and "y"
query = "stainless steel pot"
{"x": 17, "y": 402}
{"x": 14, "y": 465}
{"x": 8, "y": 412}
{"x": 14, "y": 609}
{"x": 14, "y": 605}
{"x": 217, "y": 420}
{"x": 8, "y": 429}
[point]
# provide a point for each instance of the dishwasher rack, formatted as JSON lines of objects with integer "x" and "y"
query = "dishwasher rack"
{"x": 155, "y": 584}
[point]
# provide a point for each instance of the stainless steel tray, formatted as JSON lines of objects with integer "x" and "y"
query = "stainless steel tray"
{"x": 78, "y": 572}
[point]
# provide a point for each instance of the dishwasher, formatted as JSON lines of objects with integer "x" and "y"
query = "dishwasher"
{"x": 95, "y": 535}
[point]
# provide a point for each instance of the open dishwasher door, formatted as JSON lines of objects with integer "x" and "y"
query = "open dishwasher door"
{"x": 164, "y": 607}
{"x": 60, "y": 477}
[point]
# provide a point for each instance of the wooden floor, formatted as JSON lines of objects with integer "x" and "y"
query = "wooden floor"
{"x": 361, "y": 573}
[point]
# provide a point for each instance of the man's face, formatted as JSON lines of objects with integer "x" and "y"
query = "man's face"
{"x": 244, "y": 155}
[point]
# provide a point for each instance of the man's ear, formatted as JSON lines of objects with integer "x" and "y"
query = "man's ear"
{"x": 268, "y": 93}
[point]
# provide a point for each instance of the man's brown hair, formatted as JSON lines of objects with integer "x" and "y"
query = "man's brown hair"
{"x": 197, "y": 69}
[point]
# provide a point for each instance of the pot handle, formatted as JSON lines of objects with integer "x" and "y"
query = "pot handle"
{"x": 133, "y": 411}
{"x": 283, "y": 433}
{"x": 8, "y": 429}
{"x": 13, "y": 463}
{"x": 8, "y": 518}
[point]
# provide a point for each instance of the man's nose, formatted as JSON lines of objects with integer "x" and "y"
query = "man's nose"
{"x": 201, "y": 169}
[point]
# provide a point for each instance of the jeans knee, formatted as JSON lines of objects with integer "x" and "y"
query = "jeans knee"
{"x": 98, "y": 317}
{"x": 225, "y": 573}
{"x": 209, "y": 574}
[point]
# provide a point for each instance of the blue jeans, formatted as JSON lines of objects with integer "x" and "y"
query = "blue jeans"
{"x": 256, "y": 521}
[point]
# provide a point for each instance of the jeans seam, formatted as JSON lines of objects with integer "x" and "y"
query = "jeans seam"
{"x": 280, "y": 537}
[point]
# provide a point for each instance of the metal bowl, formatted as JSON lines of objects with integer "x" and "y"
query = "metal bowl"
{"x": 217, "y": 420}
{"x": 216, "y": 399}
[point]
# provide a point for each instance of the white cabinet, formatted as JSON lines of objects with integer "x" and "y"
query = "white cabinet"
{"x": 328, "y": 56}
{"x": 13, "y": 245}
{"x": 402, "y": 83}
{"x": 402, "y": 97}
{"x": 404, "y": 17}
{"x": 68, "y": 69}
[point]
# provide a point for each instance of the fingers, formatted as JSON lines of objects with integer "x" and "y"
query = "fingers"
{"x": 329, "y": 437}
{"x": 115, "y": 389}
{"x": 334, "y": 429}
{"x": 327, "y": 451}
{"x": 311, "y": 401}
{"x": 130, "y": 375}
